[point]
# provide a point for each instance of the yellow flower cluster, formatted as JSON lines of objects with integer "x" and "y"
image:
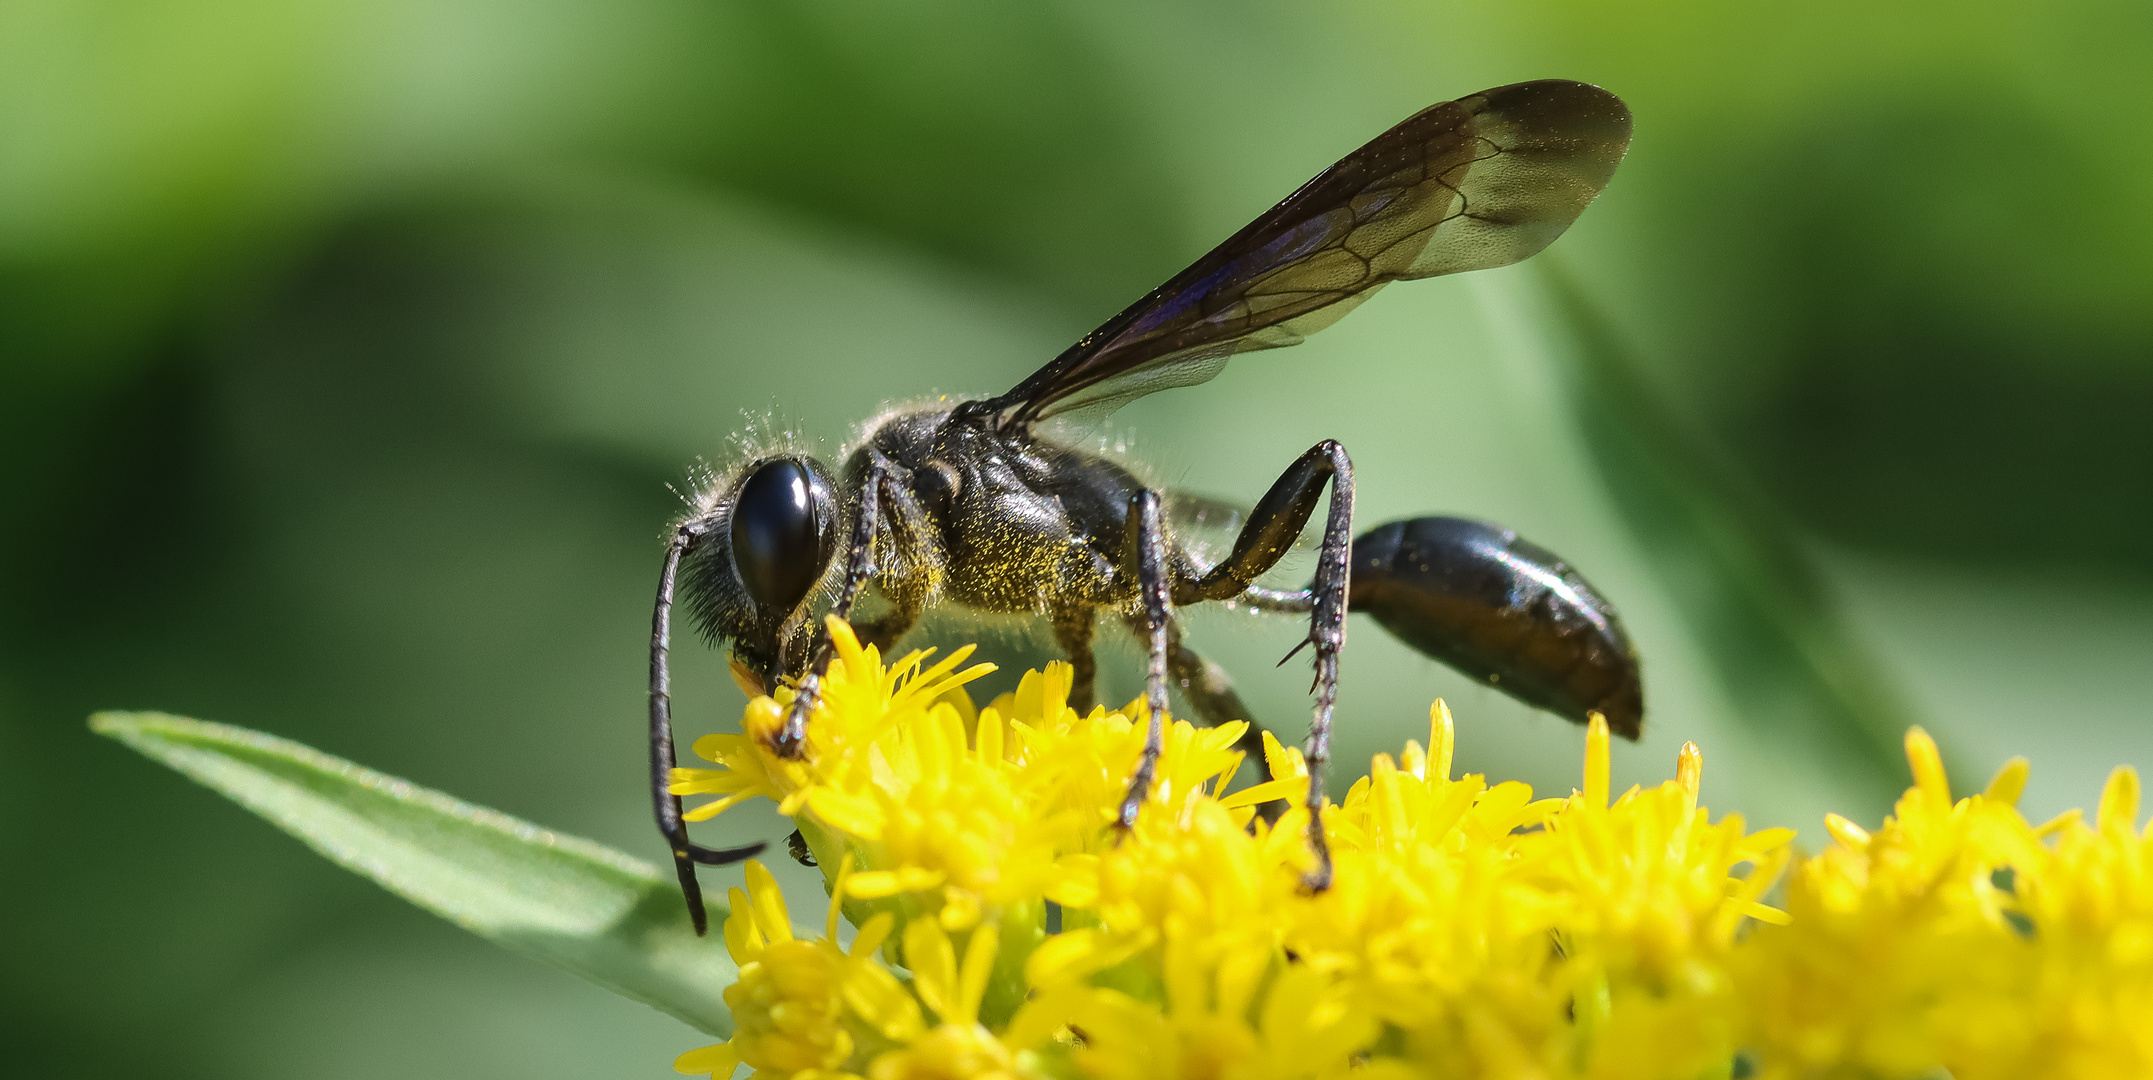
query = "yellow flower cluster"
{"x": 1963, "y": 937}
{"x": 1008, "y": 928}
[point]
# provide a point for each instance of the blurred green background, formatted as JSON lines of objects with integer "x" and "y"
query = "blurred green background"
{"x": 347, "y": 351}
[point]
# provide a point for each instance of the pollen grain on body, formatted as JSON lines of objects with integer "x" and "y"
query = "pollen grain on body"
{"x": 1006, "y": 927}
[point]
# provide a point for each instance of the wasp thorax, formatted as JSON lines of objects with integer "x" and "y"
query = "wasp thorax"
{"x": 777, "y": 534}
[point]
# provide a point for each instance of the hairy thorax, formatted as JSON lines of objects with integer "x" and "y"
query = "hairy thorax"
{"x": 1011, "y": 522}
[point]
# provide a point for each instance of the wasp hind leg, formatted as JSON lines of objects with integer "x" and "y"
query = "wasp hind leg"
{"x": 1270, "y": 532}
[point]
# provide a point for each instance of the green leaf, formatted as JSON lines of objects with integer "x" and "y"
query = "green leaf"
{"x": 572, "y": 903}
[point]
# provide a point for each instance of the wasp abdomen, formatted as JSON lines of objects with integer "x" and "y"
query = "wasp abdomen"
{"x": 1501, "y": 609}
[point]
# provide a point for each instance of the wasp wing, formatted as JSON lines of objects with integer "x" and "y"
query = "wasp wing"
{"x": 1479, "y": 182}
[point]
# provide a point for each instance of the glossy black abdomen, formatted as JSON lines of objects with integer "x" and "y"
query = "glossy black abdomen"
{"x": 1503, "y": 610}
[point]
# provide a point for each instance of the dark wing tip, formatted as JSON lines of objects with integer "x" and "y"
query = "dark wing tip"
{"x": 1581, "y": 110}
{"x": 1556, "y": 145}
{"x": 1578, "y": 120}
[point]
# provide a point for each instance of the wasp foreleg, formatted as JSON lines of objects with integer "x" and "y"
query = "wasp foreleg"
{"x": 791, "y": 740}
{"x": 666, "y": 804}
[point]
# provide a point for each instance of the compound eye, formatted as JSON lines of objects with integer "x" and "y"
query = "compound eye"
{"x": 777, "y": 535}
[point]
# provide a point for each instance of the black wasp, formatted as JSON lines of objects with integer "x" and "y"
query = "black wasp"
{"x": 973, "y": 504}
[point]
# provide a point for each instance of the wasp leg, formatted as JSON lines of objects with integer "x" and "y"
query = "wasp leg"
{"x": 1270, "y": 531}
{"x": 1277, "y": 601}
{"x": 883, "y": 633}
{"x": 1209, "y": 691}
{"x": 791, "y": 740}
{"x": 909, "y": 536}
{"x": 1074, "y": 629}
{"x": 665, "y": 804}
{"x": 1204, "y": 685}
{"x": 1144, "y": 550}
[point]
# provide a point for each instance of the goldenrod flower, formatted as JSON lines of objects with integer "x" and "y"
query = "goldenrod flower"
{"x": 1960, "y": 936}
{"x": 1471, "y": 930}
{"x": 804, "y": 1008}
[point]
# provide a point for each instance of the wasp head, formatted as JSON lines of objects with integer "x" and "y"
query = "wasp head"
{"x": 764, "y": 541}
